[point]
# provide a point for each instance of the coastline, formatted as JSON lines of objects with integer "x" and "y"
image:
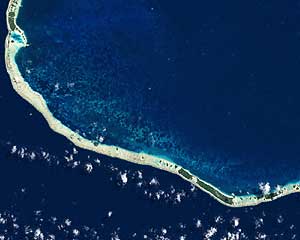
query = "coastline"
{"x": 36, "y": 100}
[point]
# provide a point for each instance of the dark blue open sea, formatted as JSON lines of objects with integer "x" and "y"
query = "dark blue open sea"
{"x": 213, "y": 85}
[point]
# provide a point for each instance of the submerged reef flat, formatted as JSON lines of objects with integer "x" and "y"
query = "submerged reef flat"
{"x": 126, "y": 80}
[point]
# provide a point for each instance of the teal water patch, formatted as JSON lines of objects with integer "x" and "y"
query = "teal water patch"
{"x": 169, "y": 79}
{"x": 17, "y": 37}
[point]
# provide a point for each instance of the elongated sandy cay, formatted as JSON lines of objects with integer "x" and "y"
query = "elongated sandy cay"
{"x": 16, "y": 39}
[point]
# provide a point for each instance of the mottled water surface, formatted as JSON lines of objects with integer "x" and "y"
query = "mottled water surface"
{"x": 213, "y": 86}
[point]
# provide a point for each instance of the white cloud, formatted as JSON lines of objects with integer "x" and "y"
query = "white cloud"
{"x": 264, "y": 187}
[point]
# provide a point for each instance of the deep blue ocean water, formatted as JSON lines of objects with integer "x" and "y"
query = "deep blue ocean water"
{"x": 41, "y": 191}
{"x": 211, "y": 85}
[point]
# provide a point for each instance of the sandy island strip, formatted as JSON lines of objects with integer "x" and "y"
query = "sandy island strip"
{"x": 35, "y": 99}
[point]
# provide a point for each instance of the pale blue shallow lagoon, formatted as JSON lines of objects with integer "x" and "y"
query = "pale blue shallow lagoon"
{"x": 212, "y": 86}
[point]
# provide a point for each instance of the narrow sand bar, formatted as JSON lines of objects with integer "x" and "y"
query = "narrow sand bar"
{"x": 16, "y": 39}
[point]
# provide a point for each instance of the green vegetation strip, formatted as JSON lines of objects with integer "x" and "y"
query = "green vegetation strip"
{"x": 215, "y": 192}
{"x": 11, "y": 23}
{"x": 184, "y": 173}
{"x": 207, "y": 187}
